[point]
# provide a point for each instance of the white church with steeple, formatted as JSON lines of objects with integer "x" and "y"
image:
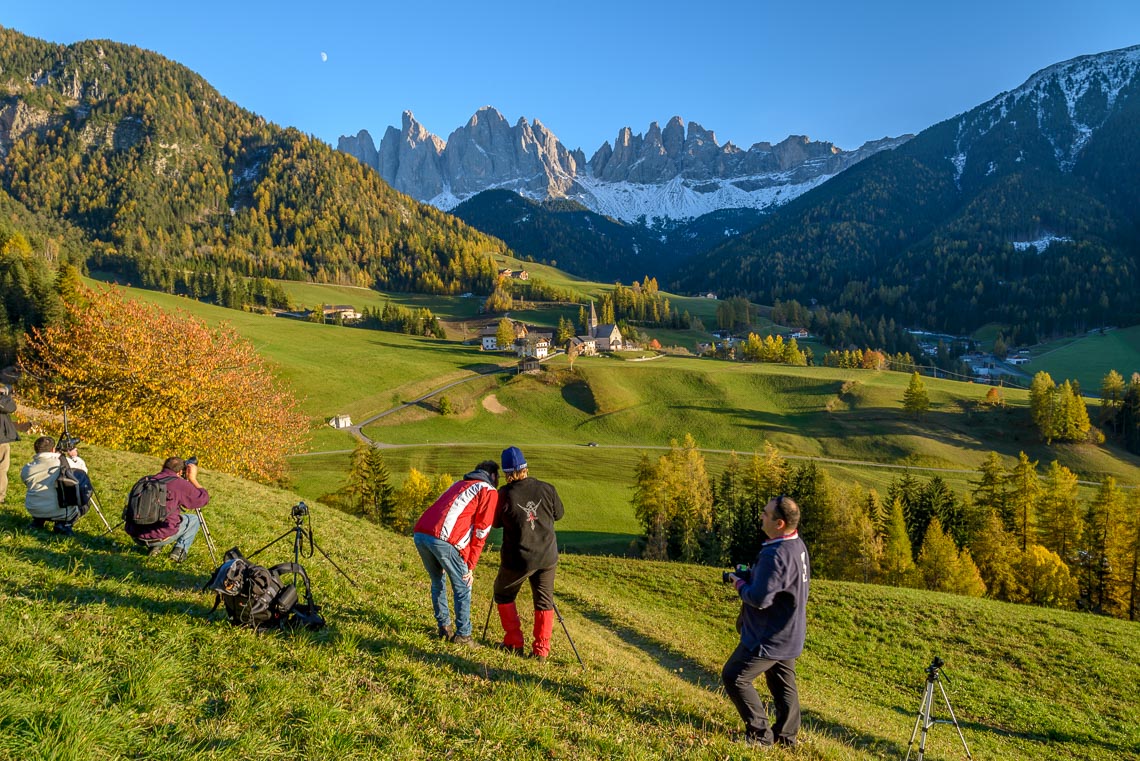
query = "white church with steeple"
{"x": 606, "y": 337}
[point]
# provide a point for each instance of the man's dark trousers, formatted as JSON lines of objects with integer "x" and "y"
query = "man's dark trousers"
{"x": 742, "y": 669}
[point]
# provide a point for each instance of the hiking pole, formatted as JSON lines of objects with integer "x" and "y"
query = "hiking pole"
{"x": 209, "y": 539}
{"x": 488, "y": 621}
{"x": 562, "y": 621}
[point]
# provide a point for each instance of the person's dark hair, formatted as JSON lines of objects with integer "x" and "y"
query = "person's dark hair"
{"x": 44, "y": 444}
{"x": 175, "y": 464}
{"x": 788, "y": 511}
{"x": 491, "y": 468}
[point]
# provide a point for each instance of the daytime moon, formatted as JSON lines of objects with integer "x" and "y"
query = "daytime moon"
{"x": 324, "y": 56}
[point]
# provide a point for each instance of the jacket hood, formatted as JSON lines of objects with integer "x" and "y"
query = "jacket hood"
{"x": 479, "y": 475}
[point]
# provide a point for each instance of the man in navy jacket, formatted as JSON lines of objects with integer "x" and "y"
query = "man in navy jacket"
{"x": 772, "y": 625}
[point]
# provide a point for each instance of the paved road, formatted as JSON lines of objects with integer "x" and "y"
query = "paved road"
{"x": 357, "y": 429}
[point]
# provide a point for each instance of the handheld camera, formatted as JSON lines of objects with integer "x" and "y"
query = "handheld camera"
{"x": 741, "y": 572}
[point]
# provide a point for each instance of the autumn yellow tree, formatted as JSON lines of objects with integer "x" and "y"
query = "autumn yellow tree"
{"x": 673, "y": 501}
{"x": 1045, "y": 579}
{"x": 145, "y": 380}
{"x": 417, "y": 494}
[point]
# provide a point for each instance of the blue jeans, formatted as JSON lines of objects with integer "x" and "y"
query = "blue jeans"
{"x": 439, "y": 556}
{"x": 184, "y": 537}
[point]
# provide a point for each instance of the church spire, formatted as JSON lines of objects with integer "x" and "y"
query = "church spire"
{"x": 592, "y": 325}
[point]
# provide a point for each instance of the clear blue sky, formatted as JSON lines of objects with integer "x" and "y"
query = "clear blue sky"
{"x": 750, "y": 70}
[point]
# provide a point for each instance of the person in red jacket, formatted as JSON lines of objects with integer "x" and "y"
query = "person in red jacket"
{"x": 449, "y": 537}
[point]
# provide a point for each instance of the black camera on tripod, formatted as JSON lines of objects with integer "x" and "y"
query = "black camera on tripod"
{"x": 187, "y": 463}
{"x": 934, "y": 666}
{"x": 300, "y": 510}
{"x": 741, "y": 572}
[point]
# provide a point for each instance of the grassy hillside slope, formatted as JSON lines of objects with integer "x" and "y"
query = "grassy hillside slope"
{"x": 1088, "y": 357}
{"x": 106, "y": 653}
{"x": 823, "y": 412}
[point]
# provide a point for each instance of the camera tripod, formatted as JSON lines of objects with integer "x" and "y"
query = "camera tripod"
{"x": 933, "y": 674}
{"x": 300, "y": 533}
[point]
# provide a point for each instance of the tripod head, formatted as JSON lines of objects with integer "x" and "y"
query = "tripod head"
{"x": 300, "y": 512}
{"x": 66, "y": 441}
{"x": 935, "y": 670}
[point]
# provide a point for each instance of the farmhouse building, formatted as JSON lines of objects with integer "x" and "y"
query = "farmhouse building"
{"x": 489, "y": 342}
{"x": 587, "y": 346}
{"x": 535, "y": 345}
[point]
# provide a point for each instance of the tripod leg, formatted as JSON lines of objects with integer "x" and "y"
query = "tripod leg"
{"x": 955, "y": 720}
{"x": 334, "y": 565}
{"x": 263, "y": 549}
{"x": 209, "y": 539}
{"x": 923, "y": 720}
{"x": 95, "y": 504}
{"x": 928, "y": 722}
{"x": 562, "y": 621}
{"x": 917, "y": 721}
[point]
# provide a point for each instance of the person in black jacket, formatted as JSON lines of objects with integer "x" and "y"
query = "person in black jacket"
{"x": 527, "y": 511}
{"x": 7, "y": 436}
{"x": 772, "y": 625}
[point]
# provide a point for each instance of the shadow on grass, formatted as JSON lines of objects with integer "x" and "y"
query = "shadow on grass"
{"x": 880, "y": 747}
{"x": 580, "y": 396}
{"x": 666, "y": 657}
{"x": 953, "y": 429}
{"x": 104, "y": 557}
{"x": 599, "y": 543}
{"x": 171, "y": 579}
{"x": 562, "y": 678}
{"x": 485, "y": 368}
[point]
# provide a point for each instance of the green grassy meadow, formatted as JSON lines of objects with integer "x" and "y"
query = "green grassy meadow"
{"x": 106, "y": 653}
{"x": 1089, "y": 357}
{"x": 852, "y": 420}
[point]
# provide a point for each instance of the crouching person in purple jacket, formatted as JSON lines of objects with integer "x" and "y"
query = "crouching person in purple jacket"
{"x": 772, "y": 625}
{"x": 176, "y": 527}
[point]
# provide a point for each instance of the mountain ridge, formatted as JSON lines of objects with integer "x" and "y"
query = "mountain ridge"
{"x": 679, "y": 172}
{"x": 936, "y": 233}
{"x": 168, "y": 177}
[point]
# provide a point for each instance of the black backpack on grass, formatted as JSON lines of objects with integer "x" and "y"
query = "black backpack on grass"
{"x": 73, "y": 489}
{"x": 146, "y": 504}
{"x": 257, "y": 598}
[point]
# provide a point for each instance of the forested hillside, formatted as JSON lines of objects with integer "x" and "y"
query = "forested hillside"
{"x": 32, "y": 250}
{"x": 939, "y": 232}
{"x": 168, "y": 177}
{"x": 567, "y": 235}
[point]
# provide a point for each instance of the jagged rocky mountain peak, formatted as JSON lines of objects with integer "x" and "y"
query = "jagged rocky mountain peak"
{"x": 626, "y": 179}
